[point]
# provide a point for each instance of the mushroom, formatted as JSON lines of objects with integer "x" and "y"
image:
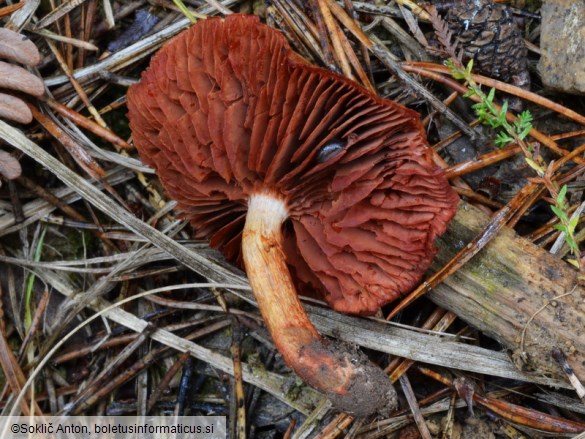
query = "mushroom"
{"x": 311, "y": 182}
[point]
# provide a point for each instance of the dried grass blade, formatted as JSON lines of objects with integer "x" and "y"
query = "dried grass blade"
{"x": 416, "y": 9}
{"x": 35, "y": 323}
{"x": 19, "y": 19}
{"x": 37, "y": 209}
{"x": 561, "y": 359}
{"x": 62, "y": 39}
{"x": 332, "y": 59}
{"x": 515, "y": 413}
{"x": 353, "y": 59}
{"x": 332, "y": 430}
{"x": 106, "y": 380}
{"x": 414, "y": 407}
{"x": 58, "y": 12}
{"x": 109, "y": 14}
{"x": 50, "y": 198}
{"x": 166, "y": 380}
{"x": 405, "y": 39}
{"x": 350, "y": 9}
{"x": 240, "y": 399}
{"x": 439, "y": 320}
{"x": 218, "y": 7}
{"x": 88, "y": 12}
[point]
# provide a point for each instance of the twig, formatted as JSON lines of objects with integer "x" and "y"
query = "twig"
{"x": 166, "y": 380}
{"x": 323, "y": 36}
{"x": 481, "y": 162}
{"x": 515, "y": 413}
{"x": 560, "y": 358}
{"x": 239, "y": 397}
{"x": 88, "y": 124}
{"x": 414, "y": 408}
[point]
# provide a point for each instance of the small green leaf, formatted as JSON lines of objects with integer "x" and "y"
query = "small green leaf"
{"x": 524, "y": 132}
{"x": 535, "y": 166}
{"x": 560, "y": 214}
{"x": 574, "y": 248}
{"x": 573, "y": 223}
{"x": 454, "y": 71}
{"x": 491, "y": 95}
{"x": 502, "y": 139}
{"x": 186, "y": 12}
{"x": 571, "y": 241}
{"x": 562, "y": 194}
{"x": 574, "y": 263}
{"x": 561, "y": 228}
{"x": 469, "y": 67}
{"x": 526, "y": 117}
{"x": 503, "y": 111}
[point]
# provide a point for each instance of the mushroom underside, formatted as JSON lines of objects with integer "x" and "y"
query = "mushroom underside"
{"x": 356, "y": 200}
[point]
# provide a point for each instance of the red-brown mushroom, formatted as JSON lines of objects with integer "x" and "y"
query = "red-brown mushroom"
{"x": 307, "y": 177}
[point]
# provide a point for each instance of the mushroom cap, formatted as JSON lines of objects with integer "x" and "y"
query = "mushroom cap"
{"x": 226, "y": 110}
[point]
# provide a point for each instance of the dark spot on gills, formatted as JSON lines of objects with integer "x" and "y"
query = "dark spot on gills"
{"x": 331, "y": 149}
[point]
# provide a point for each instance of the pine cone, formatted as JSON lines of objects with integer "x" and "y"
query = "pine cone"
{"x": 487, "y": 33}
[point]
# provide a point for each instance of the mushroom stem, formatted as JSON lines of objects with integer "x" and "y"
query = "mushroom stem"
{"x": 352, "y": 383}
